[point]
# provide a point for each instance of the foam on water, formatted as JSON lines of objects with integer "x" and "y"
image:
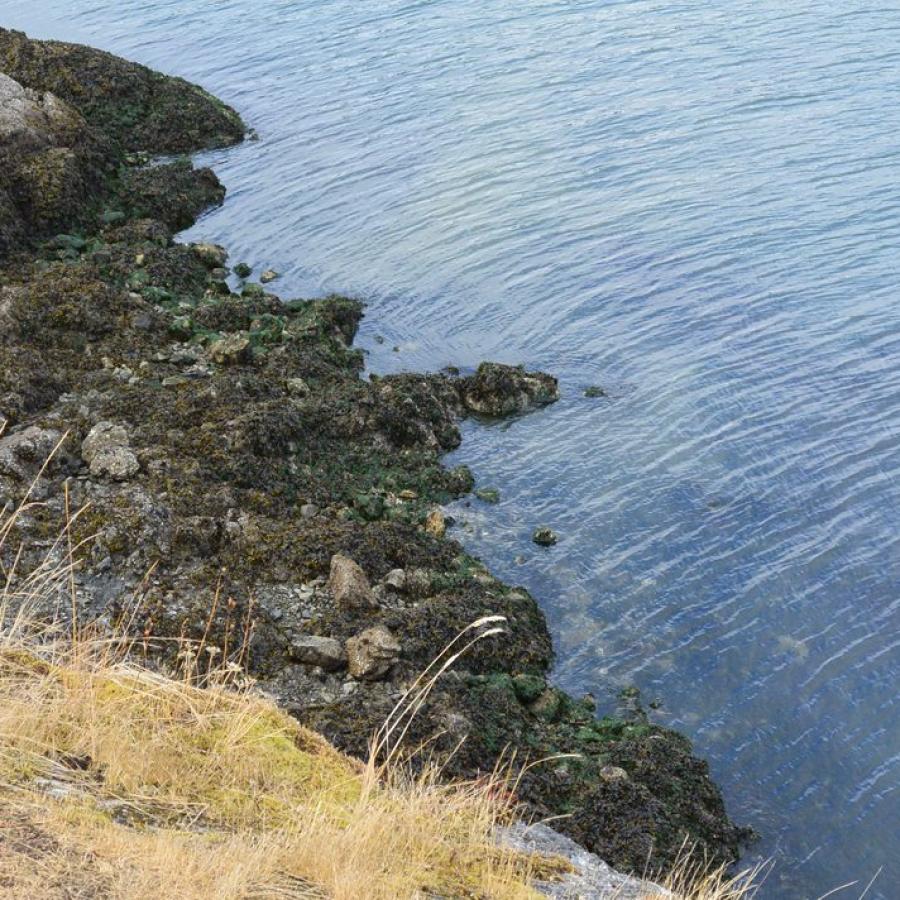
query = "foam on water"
{"x": 693, "y": 205}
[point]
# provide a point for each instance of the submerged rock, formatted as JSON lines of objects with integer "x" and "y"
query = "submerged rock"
{"x": 545, "y": 537}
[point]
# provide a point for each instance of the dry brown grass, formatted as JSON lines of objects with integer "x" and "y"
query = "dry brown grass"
{"x": 121, "y": 782}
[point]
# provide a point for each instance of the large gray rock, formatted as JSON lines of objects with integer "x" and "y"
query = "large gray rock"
{"x": 349, "y": 585}
{"x": 591, "y": 878}
{"x": 371, "y": 653}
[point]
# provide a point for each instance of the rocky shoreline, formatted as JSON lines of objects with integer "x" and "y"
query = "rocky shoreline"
{"x": 240, "y": 484}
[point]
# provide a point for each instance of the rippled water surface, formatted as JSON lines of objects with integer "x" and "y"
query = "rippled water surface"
{"x": 693, "y": 205}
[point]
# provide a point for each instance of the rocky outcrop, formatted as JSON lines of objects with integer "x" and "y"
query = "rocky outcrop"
{"x": 139, "y": 109}
{"x": 287, "y": 509}
{"x": 49, "y": 162}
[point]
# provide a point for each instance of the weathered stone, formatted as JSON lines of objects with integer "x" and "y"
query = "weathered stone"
{"x": 499, "y": 390}
{"x": 26, "y": 450}
{"x": 230, "y": 349}
{"x": 312, "y": 650}
{"x": 45, "y": 163}
{"x": 371, "y": 653}
{"x": 544, "y": 536}
{"x": 106, "y": 451}
{"x": 349, "y": 585}
{"x": 435, "y": 523}
{"x": 547, "y": 706}
{"x": 395, "y": 580}
{"x": 297, "y": 387}
{"x": 211, "y": 255}
{"x": 268, "y": 275}
{"x": 589, "y": 876}
{"x": 613, "y": 773}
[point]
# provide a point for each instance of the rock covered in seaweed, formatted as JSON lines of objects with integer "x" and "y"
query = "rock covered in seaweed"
{"x": 500, "y": 390}
{"x": 256, "y": 471}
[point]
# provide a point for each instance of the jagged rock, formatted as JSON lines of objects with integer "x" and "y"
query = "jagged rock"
{"x": 499, "y": 390}
{"x": 349, "y": 585}
{"x": 371, "y": 653}
{"x": 318, "y": 651}
{"x": 106, "y": 451}
{"x": 211, "y": 255}
{"x": 26, "y": 450}
{"x": 268, "y": 275}
{"x": 230, "y": 349}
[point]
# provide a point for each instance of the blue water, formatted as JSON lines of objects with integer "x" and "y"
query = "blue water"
{"x": 694, "y": 205}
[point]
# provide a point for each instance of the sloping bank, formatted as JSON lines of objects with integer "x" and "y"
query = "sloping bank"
{"x": 246, "y": 486}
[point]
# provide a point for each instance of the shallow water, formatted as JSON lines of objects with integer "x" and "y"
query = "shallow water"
{"x": 694, "y": 207}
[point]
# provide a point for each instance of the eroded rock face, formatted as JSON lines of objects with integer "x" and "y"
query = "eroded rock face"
{"x": 500, "y": 390}
{"x": 371, "y": 653}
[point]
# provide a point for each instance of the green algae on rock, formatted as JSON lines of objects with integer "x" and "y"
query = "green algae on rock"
{"x": 242, "y": 455}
